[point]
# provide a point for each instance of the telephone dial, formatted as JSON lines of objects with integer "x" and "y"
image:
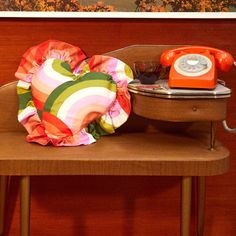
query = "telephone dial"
{"x": 195, "y": 66}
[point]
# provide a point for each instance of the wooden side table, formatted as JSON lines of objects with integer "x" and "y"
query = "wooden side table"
{"x": 159, "y": 102}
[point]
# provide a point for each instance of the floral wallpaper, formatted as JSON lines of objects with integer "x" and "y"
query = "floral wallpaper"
{"x": 119, "y": 5}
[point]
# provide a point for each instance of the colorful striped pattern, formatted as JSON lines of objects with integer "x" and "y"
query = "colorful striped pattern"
{"x": 67, "y": 101}
{"x": 122, "y": 74}
{"x": 35, "y": 56}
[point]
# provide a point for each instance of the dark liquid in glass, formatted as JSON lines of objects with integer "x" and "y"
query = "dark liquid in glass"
{"x": 147, "y": 77}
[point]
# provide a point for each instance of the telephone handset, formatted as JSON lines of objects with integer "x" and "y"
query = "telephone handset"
{"x": 195, "y": 66}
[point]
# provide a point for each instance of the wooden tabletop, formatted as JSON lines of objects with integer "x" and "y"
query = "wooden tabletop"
{"x": 124, "y": 154}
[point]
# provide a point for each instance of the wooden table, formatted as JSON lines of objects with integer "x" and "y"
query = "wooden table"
{"x": 187, "y": 152}
{"x": 159, "y": 102}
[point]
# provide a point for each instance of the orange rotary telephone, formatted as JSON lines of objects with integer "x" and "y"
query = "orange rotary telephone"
{"x": 195, "y": 66}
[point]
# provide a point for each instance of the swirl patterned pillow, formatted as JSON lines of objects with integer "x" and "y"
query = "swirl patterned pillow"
{"x": 67, "y": 101}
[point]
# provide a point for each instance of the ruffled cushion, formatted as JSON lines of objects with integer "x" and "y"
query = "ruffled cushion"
{"x": 122, "y": 74}
{"x": 67, "y": 101}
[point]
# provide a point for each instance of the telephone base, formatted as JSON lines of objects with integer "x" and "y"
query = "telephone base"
{"x": 191, "y": 83}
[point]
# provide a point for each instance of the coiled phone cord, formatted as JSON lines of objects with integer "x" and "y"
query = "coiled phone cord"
{"x": 224, "y": 122}
{"x": 227, "y": 128}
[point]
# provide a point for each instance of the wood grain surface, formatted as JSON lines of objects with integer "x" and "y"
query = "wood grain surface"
{"x": 119, "y": 206}
{"x": 179, "y": 109}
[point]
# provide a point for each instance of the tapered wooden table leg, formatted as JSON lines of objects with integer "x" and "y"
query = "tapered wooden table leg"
{"x": 186, "y": 205}
{"x": 201, "y": 205}
{"x": 25, "y": 206}
{"x": 3, "y": 190}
